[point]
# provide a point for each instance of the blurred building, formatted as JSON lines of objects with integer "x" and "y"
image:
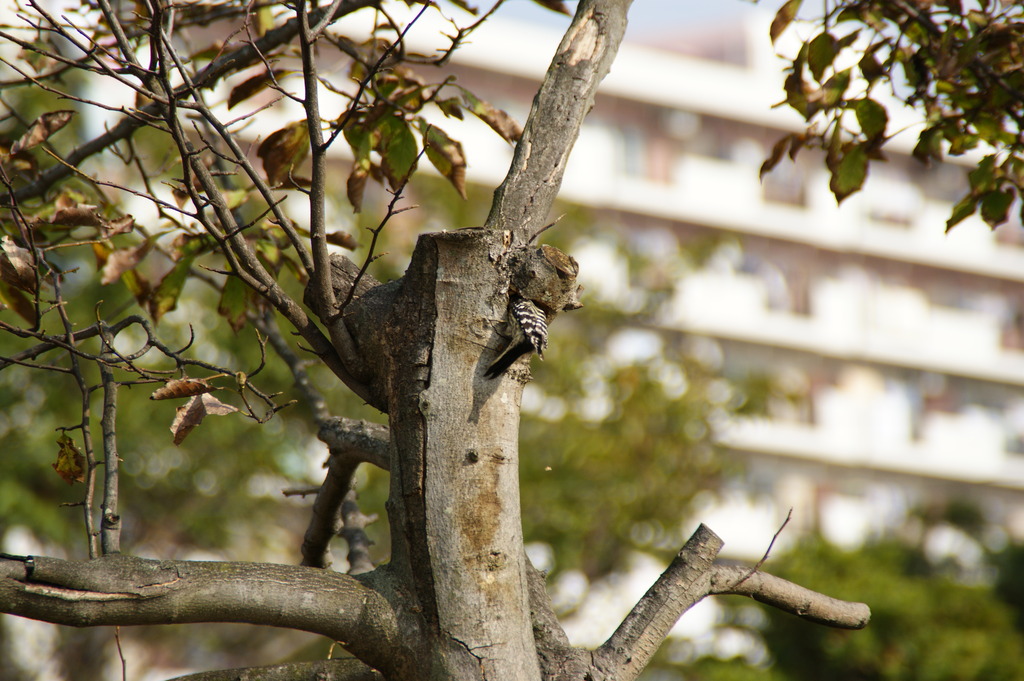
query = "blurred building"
{"x": 901, "y": 347}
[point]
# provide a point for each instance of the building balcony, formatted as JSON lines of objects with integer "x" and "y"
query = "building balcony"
{"x": 966, "y": 446}
{"x": 851, "y": 320}
{"x": 727, "y": 195}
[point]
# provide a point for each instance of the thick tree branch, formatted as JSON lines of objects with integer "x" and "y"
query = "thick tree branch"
{"x": 559, "y": 661}
{"x": 353, "y": 531}
{"x": 351, "y": 443}
{"x": 364, "y": 440}
{"x": 522, "y": 202}
{"x": 789, "y": 597}
{"x": 685, "y": 582}
{"x": 325, "y": 521}
{"x": 123, "y": 590}
{"x": 317, "y": 670}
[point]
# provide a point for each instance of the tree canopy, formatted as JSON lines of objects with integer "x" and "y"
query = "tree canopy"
{"x": 172, "y": 234}
{"x": 958, "y": 65}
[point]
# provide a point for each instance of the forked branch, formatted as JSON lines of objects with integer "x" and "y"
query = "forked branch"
{"x": 690, "y": 577}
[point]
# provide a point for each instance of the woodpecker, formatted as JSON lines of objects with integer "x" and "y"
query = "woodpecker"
{"x": 529, "y": 328}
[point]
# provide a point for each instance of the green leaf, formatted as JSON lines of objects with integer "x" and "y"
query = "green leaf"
{"x": 233, "y": 303}
{"x": 929, "y": 146}
{"x": 990, "y": 129}
{"x": 446, "y": 155}
{"x": 783, "y": 18}
{"x": 995, "y": 205}
{"x": 872, "y": 118}
{"x": 983, "y": 177}
{"x": 869, "y": 65}
{"x": 796, "y": 97}
{"x": 165, "y": 297}
{"x": 962, "y": 210}
{"x": 835, "y": 88}
{"x": 397, "y": 149}
{"x": 269, "y": 253}
{"x": 849, "y": 174}
{"x": 137, "y": 285}
{"x": 820, "y": 54}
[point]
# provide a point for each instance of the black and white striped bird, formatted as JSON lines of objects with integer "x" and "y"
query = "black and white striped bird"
{"x": 529, "y": 327}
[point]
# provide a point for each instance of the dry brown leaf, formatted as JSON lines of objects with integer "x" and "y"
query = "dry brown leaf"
{"x": 121, "y": 225}
{"x": 555, "y": 6}
{"x": 499, "y": 120}
{"x": 343, "y": 239}
{"x": 250, "y": 87}
{"x": 41, "y": 129}
{"x": 181, "y": 387}
{"x": 283, "y": 150}
{"x": 16, "y": 265}
{"x": 447, "y": 156}
{"x": 122, "y": 260}
{"x": 192, "y": 413}
{"x": 81, "y": 215}
{"x": 18, "y": 302}
{"x": 65, "y": 201}
{"x": 356, "y": 186}
{"x": 70, "y": 465}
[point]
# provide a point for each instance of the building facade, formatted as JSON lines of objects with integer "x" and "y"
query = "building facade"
{"x": 901, "y": 347}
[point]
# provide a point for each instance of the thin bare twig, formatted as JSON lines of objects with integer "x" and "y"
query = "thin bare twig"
{"x": 85, "y": 426}
{"x": 314, "y": 398}
{"x": 110, "y": 519}
{"x": 767, "y": 551}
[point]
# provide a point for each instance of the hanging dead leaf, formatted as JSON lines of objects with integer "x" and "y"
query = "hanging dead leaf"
{"x": 555, "y": 6}
{"x": 181, "y": 387}
{"x": 252, "y": 86}
{"x": 356, "y": 186}
{"x": 121, "y": 225}
{"x": 70, "y": 213}
{"x": 122, "y": 260}
{"x": 283, "y": 150}
{"x": 499, "y": 120}
{"x": 343, "y": 239}
{"x": 180, "y": 196}
{"x": 41, "y": 129}
{"x": 447, "y": 156}
{"x": 17, "y": 267}
{"x": 18, "y": 302}
{"x": 82, "y": 215}
{"x": 70, "y": 465}
{"x": 65, "y": 200}
{"x": 192, "y": 413}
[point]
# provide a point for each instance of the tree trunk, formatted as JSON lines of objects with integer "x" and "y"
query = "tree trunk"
{"x": 455, "y": 475}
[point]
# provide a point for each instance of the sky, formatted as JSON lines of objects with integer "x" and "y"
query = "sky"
{"x": 645, "y": 16}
